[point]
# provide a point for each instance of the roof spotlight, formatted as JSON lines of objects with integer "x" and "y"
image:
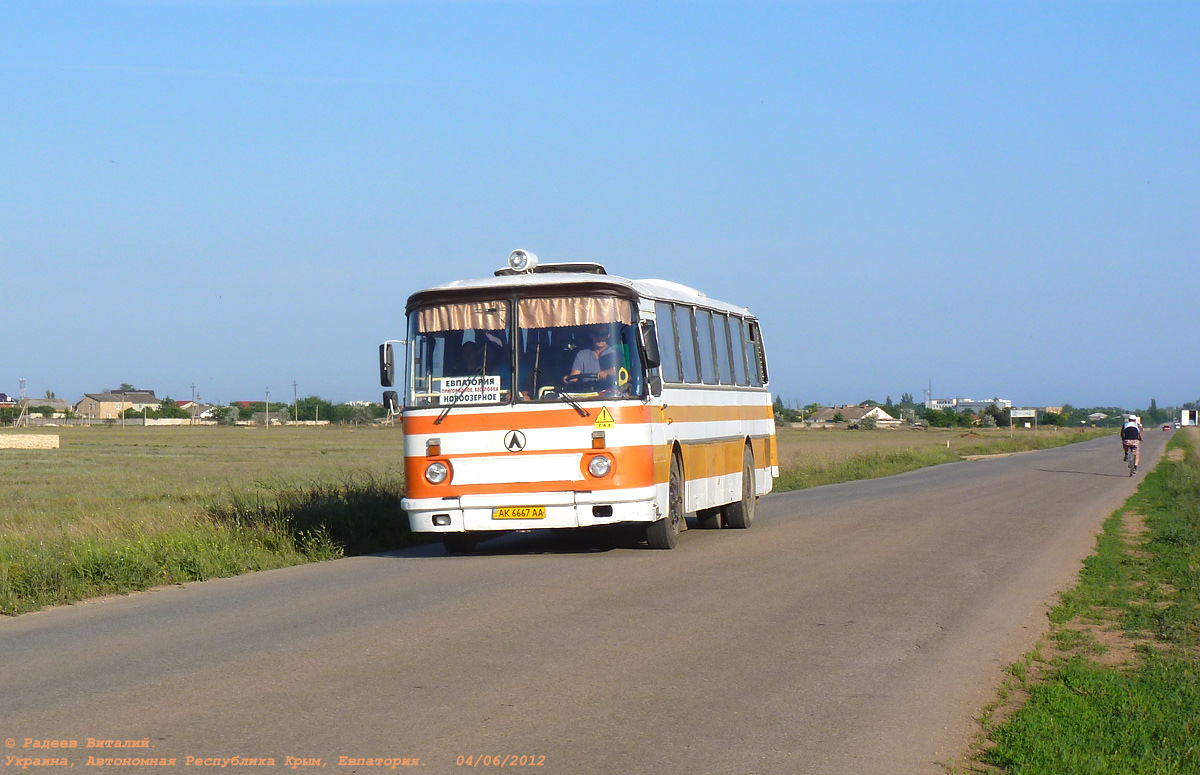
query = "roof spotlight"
{"x": 522, "y": 260}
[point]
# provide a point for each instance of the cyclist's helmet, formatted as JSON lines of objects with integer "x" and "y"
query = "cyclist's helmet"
{"x": 1133, "y": 417}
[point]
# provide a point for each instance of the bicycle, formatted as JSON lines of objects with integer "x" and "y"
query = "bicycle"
{"x": 1132, "y": 459}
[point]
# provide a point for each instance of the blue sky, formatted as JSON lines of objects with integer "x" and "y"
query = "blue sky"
{"x": 1001, "y": 198}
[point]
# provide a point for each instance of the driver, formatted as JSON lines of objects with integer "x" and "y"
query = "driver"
{"x": 588, "y": 361}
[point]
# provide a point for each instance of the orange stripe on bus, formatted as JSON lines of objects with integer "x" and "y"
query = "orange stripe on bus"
{"x": 677, "y": 413}
{"x": 704, "y": 460}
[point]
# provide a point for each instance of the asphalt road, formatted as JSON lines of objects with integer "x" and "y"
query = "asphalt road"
{"x": 856, "y": 628}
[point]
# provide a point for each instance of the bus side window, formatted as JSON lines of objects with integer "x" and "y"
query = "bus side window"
{"x": 704, "y": 343}
{"x": 738, "y": 340}
{"x": 721, "y": 341}
{"x": 685, "y": 328}
{"x": 758, "y": 369}
{"x": 668, "y": 352}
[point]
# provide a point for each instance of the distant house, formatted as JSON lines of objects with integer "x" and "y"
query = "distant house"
{"x": 196, "y": 409}
{"x": 6, "y": 400}
{"x": 1097, "y": 417}
{"x": 852, "y": 415}
{"x": 103, "y": 406}
{"x": 58, "y": 406}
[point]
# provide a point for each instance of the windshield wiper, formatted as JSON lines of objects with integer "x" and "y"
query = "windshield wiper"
{"x": 477, "y": 373}
{"x": 574, "y": 404}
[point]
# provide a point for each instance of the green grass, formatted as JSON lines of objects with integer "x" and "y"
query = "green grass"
{"x": 360, "y": 514}
{"x": 1095, "y": 720}
{"x": 272, "y": 526}
{"x": 1091, "y": 710}
{"x": 116, "y": 511}
{"x": 37, "y": 574}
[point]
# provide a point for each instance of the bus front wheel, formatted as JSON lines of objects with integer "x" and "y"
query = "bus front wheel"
{"x": 664, "y": 533}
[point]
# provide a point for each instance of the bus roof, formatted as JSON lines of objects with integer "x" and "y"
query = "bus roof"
{"x": 558, "y": 281}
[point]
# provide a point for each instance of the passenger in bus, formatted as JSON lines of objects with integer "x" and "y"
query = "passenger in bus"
{"x": 598, "y": 362}
{"x": 483, "y": 359}
{"x": 470, "y": 360}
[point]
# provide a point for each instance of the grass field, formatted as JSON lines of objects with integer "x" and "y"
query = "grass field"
{"x": 116, "y": 510}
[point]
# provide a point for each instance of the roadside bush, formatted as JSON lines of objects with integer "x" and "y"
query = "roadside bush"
{"x": 359, "y": 515}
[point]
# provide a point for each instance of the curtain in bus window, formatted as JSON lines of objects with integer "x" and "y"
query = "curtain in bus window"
{"x": 553, "y": 333}
{"x": 489, "y": 315}
{"x": 685, "y": 329}
{"x": 665, "y": 327}
{"x": 574, "y": 311}
{"x": 721, "y": 340}
{"x": 704, "y": 342}
{"x": 738, "y": 340}
{"x": 443, "y": 354}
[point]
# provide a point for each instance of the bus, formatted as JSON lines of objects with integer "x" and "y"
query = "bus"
{"x": 559, "y": 396}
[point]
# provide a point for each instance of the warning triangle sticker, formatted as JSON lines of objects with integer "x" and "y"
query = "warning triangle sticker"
{"x": 604, "y": 419}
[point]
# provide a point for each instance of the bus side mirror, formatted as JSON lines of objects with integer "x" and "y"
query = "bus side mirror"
{"x": 655, "y": 385}
{"x": 391, "y": 402}
{"x": 650, "y": 345}
{"x": 387, "y": 365}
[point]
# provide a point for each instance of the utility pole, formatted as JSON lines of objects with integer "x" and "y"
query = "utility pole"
{"x": 295, "y": 404}
{"x": 23, "y": 418}
{"x": 193, "y": 403}
{"x": 268, "y": 407}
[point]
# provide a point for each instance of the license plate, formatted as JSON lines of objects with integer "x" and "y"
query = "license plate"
{"x": 519, "y": 512}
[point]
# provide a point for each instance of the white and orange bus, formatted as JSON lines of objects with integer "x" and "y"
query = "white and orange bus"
{"x": 559, "y": 396}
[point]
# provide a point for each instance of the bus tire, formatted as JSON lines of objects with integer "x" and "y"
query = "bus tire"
{"x": 740, "y": 515}
{"x": 708, "y": 519}
{"x": 459, "y": 543}
{"x": 664, "y": 533}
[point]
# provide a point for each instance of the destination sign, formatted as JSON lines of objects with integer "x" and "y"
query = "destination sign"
{"x": 471, "y": 390}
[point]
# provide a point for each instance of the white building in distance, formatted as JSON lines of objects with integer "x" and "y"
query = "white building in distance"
{"x": 963, "y": 404}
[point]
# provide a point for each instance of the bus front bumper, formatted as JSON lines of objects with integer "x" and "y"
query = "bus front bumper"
{"x": 562, "y": 509}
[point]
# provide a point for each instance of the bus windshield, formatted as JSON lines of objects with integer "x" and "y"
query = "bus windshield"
{"x": 582, "y": 347}
{"x": 460, "y": 354}
{"x": 579, "y": 346}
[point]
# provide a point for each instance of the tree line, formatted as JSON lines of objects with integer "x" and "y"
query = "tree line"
{"x": 993, "y": 416}
{"x": 306, "y": 409}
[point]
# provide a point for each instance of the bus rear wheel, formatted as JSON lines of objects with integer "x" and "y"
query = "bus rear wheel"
{"x": 664, "y": 533}
{"x": 740, "y": 515}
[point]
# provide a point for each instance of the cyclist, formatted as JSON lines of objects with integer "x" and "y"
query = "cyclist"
{"x": 1131, "y": 438}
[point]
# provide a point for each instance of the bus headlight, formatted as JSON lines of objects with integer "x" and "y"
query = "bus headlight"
{"x": 599, "y": 466}
{"x": 436, "y": 473}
